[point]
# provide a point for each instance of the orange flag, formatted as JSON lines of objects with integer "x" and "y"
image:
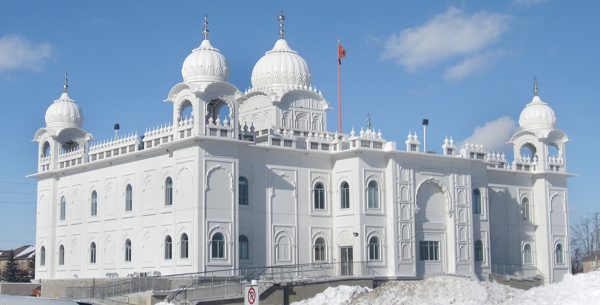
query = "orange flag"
{"x": 341, "y": 53}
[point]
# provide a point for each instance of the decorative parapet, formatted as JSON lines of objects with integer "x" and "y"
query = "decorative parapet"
{"x": 366, "y": 139}
{"x": 412, "y": 142}
{"x": 473, "y": 151}
{"x": 112, "y": 148}
{"x": 71, "y": 158}
{"x": 556, "y": 164}
{"x": 449, "y": 149}
{"x": 283, "y": 138}
{"x": 496, "y": 160}
{"x": 216, "y": 128}
{"x": 158, "y": 135}
{"x": 185, "y": 127}
{"x": 44, "y": 163}
{"x": 526, "y": 164}
{"x": 322, "y": 141}
{"x": 247, "y": 133}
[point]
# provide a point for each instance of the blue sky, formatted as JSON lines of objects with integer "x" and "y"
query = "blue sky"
{"x": 462, "y": 64}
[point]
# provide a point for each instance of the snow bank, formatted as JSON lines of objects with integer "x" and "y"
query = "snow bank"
{"x": 577, "y": 289}
{"x": 445, "y": 289}
{"x": 340, "y": 295}
{"x": 438, "y": 290}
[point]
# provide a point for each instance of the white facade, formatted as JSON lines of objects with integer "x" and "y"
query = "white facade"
{"x": 254, "y": 179}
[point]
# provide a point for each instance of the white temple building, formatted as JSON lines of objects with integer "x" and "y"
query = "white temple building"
{"x": 254, "y": 178}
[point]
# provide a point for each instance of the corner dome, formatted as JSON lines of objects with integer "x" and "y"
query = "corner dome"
{"x": 64, "y": 113}
{"x": 205, "y": 64}
{"x": 537, "y": 115}
{"x": 281, "y": 67}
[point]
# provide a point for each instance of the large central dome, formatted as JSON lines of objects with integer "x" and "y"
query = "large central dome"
{"x": 281, "y": 67}
{"x": 64, "y": 113}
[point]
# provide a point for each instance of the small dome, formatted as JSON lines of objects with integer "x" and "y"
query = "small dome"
{"x": 537, "y": 115}
{"x": 64, "y": 112}
{"x": 281, "y": 66}
{"x": 205, "y": 63}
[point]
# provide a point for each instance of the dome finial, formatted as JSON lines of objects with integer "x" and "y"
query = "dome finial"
{"x": 536, "y": 90}
{"x": 281, "y": 19}
{"x": 66, "y": 83}
{"x": 369, "y": 124}
{"x": 205, "y": 32}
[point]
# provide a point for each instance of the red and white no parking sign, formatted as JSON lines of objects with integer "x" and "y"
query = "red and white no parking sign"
{"x": 251, "y": 296}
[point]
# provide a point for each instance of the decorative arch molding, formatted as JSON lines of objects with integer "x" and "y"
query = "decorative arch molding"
{"x": 444, "y": 191}
{"x": 213, "y": 170}
{"x": 319, "y": 178}
{"x": 218, "y": 228}
{"x": 561, "y": 197}
{"x": 287, "y": 178}
{"x": 284, "y": 232}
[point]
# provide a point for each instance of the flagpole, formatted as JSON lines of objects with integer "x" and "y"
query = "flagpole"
{"x": 339, "y": 93}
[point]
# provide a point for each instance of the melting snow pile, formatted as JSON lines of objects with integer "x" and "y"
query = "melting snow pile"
{"x": 438, "y": 290}
{"x": 340, "y": 295}
{"x": 446, "y": 290}
{"x": 572, "y": 290}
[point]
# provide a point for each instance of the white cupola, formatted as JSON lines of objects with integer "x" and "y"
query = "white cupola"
{"x": 537, "y": 115}
{"x": 281, "y": 67}
{"x": 205, "y": 63}
{"x": 64, "y": 112}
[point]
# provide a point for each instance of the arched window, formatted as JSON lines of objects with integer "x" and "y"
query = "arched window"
{"x": 185, "y": 110}
{"x": 46, "y": 149}
{"x": 559, "y": 257}
{"x": 128, "y": 250}
{"x": 63, "y": 208}
{"x": 478, "y": 251}
{"x": 169, "y": 191}
{"x": 525, "y": 209}
{"x": 128, "y": 198}
{"x": 373, "y": 195}
{"x": 287, "y": 121}
{"x": 319, "y": 196}
{"x": 243, "y": 191}
{"x": 61, "y": 255}
{"x": 374, "y": 249}
{"x": 43, "y": 256}
{"x": 244, "y": 247}
{"x": 476, "y": 202}
{"x": 528, "y": 151}
{"x": 319, "y": 250}
{"x": 283, "y": 249}
{"x": 184, "y": 251}
{"x": 217, "y": 246}
{"x": 94, "y": 204}
{"x": 345, "y": 195}
{"x": 168, "y": 247}
{"x": 527, "y": 258}
{"x": 93, "y": 253}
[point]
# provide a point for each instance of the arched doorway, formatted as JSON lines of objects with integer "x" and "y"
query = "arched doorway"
{"x": 430, "y": 226}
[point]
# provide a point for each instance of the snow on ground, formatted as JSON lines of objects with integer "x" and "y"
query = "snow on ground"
{"x": 446, "y": 289}
{"x": 340, "y": 295}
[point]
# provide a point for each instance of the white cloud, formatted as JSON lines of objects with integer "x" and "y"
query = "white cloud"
{"x": 452, "y": 33}
{"x": 19, "y": 53}
{"x": 494, "y": 134}
{"x": 472, "y": 65}
{"x": 527, "y": 3}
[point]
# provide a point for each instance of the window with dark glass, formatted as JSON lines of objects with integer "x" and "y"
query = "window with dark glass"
{"x": 244, "y": 247}
{"x": 128, "y": 250}
{"x": 319, "y": 250}
{"x": 429, "y": 250}
{"x": 217, "y": 246}
{"x": 476, "y": 202}
{"x": 184, "y": 251}
{"x": 345, "y": 195}
{"x": 319, "y": 196}
{"x": 243, "y": 191}
{"x": 169, "y": 191}
{"x": 128, "y": 198}
{"x": 94, "y": 204}
{"x": 372, "y": 195}
{"x": 93, "y": 253}
{"x": 373, "y": 248}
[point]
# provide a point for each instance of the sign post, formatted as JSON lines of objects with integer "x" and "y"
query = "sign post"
{"x": 251, "y": 294}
